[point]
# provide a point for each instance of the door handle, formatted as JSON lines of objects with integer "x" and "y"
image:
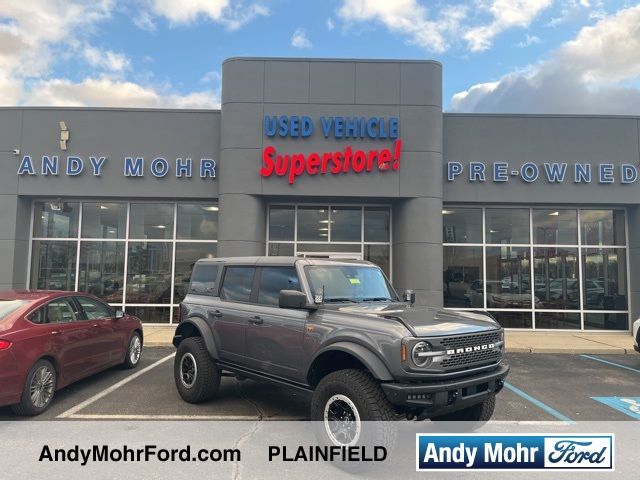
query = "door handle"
{"x": 55, "y": 332}
{"x": 215, "y": 314}
{"x": 95, "y": 325}
{"x": 256, "y": 320}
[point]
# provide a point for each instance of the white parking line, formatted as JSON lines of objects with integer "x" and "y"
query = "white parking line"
{"x": 179, "y": 417}
{"x": 112, "y": 388}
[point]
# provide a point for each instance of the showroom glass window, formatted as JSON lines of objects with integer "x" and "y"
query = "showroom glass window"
{"x": 133, "y": 255}
{"x": 543, "y": 268}
{"x": 336, "y": 231}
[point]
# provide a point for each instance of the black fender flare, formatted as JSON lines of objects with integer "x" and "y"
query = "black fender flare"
{"x": 203, "y": 328}
{"x": 369, "y": 359}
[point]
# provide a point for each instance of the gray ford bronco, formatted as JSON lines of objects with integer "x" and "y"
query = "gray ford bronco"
{"x": 339, "y": 330}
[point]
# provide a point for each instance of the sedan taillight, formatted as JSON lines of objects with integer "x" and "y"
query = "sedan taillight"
{"x": 4, "y": 344}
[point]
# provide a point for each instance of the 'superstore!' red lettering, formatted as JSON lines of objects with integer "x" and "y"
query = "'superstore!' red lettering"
{"x": 333, "y": 163}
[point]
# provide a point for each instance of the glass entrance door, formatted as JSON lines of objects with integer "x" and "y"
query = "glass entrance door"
{"x": 348, "y": 232}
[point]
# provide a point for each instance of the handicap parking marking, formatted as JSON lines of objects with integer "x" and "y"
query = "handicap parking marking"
{"x": 627, "y": 405}
{"x": 81, "y": 406}
{"x": 613, "y": 364}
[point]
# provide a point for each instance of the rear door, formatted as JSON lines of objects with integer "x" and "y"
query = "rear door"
{"x": 229, "y": 320}
{"x": 274, "y": 336}
{"x": 68, "y": 337}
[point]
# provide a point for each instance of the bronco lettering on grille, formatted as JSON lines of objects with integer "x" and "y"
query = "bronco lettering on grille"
{"x": 477, "y": 348}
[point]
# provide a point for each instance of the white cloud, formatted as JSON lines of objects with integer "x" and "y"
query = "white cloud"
{"x": 114, "y": 93}
{"x": 593, "y": 73}
{"x": 108, "y": 60}
{"x": 330, "y": 24}
{"x": 528, "y": 41}
{"x": 213, "y": 76}
{"x": 36, "y": 35}
{"x": 144, "y": 21}
{"x": 410, "y": 18}
{"x": 299, "y": 39}
{"x": 506, "y": 14}
{"x": 232, "y": 14}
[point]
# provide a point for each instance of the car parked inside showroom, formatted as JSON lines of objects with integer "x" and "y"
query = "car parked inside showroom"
{"x": 50, "y": 339}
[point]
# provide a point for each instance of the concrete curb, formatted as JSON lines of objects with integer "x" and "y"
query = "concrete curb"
{"x": 572, "y": 351}
{"x": 567, "y": 343}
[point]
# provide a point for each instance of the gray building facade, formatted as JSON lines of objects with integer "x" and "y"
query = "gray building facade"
{"x": 530, "y": 217}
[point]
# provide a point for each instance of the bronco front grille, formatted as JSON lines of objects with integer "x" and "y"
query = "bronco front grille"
{"x": 471, "y": 358}
{"x": 470, "y": 340}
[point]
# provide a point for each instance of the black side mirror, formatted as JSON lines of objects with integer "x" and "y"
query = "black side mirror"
{"x": 293, "y": 299}
{"x": 119, "y": 314}
{"x": 409, "y": 296}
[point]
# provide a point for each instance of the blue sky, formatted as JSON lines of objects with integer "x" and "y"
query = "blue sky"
{"x": 548, "y": 56}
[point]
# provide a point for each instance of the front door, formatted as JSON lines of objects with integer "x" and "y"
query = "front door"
{"x": 108, "y": 338}
{"x": 275, "y": 335}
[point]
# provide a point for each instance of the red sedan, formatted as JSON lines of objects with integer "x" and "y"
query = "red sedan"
{"x": 49, "y": 339}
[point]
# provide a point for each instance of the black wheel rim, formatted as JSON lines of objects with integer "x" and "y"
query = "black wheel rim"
{"x": 342, "y": 420}
{"x": 188, "y": 370}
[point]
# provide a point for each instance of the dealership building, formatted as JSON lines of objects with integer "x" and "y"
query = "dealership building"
{"x": 535, "y": 218}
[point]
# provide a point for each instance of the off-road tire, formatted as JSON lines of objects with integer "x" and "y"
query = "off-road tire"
{"x": 480, "y": 412}
{"x": 374, "y": 410}
{"x": 26, "y": 407}
{"x": 207, "y": 376}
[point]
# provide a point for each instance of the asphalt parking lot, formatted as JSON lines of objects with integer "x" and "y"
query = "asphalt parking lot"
{"x": 541, "y": 387}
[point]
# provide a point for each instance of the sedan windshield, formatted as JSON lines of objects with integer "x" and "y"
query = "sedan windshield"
{"x": 9, "y": 306}
{"x": 350, "y": 283}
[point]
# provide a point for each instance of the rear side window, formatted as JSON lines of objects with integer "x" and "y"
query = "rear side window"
{"x": 274, "y": 279}
{"x": 9, "y": 306}
{"x": 60, "y": 310}
{"x": 237, "y": 283}
{"x": 203, "y": 279}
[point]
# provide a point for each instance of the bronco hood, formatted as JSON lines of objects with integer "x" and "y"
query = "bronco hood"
{"x": 427, "y": 321}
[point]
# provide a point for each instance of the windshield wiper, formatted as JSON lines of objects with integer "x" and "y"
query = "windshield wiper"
{"x": 339, "y": 299}
{"x": 377, "y": 299}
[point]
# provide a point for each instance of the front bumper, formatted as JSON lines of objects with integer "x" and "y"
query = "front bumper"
{"x": 447, "y": 395}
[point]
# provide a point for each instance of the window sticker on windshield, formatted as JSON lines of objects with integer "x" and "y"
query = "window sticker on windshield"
{"x": 354, "y": 281}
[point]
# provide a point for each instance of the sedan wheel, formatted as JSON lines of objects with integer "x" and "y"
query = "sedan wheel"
{"x": 134, "y": 351}
{"x": 39, "y": 389}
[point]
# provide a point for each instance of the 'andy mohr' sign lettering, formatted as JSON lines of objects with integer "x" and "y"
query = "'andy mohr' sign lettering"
{"x": 73, "y": 166}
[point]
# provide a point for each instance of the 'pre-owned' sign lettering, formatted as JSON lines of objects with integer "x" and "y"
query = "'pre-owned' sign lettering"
{"x": 344, "y": 160}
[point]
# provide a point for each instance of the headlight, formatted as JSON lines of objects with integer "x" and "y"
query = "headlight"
{"x": 420, "y": 354}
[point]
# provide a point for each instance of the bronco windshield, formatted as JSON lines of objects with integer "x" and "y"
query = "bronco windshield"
{"x": 350, "y": 283}
{"x": 9, "y": 306}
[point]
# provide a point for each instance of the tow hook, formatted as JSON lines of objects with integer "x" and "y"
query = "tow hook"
{"x": 453, "y": 396}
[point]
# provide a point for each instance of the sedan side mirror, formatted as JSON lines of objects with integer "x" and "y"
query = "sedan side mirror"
{"x": 293, "y": 299}
{"x": 119, "y": 314}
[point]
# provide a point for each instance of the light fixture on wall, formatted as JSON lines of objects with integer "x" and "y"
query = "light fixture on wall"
{"x": 210, "y": 208}
{"x": 56, "y": 205}
{"x": 554, "y": 214}
{"x": 64, "y": 135}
